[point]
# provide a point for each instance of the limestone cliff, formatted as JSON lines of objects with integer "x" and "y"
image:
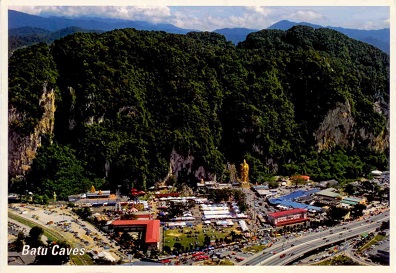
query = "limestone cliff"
{"x": 22, "y": 150}
{"x": 339, "y": 128}
{"x": 179, "y": 162}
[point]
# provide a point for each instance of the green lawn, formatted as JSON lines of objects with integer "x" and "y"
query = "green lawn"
{"x": 376, "y": 239}
{"x": 221, "y": 262}
{"x": 339, "y": 260}
{"x": 226, "y": 262}
{"x": 172, "y": 236}
{"x": 254, "y": 249}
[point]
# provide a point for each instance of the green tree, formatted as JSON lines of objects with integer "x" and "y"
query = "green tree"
{"x": 385, "y": 225}
{"x": 34, "y": 239}
{"x": 31, "y": 72}
{"x": 167, "y": 249}
{"x": 357, "y": 210}
{"x": 273, "y": 184}
{"x": 19, "y": 242}
{"x": 350, "y": 189}
{"x": 56, "y": 257}
{"x": 206, "y": 240}
{"x": 336, "y": 214}
{"x": 56, "y": 169}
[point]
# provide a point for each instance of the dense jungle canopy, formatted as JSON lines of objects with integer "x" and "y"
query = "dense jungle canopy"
{"x": 126, "y": 100}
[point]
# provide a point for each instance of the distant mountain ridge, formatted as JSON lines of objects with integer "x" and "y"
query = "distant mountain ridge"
{"x": 235, "y": 35}
{"x": 18, "y": 19}
{"x": 378, "y": 38}
{"x": 26, "y": 36}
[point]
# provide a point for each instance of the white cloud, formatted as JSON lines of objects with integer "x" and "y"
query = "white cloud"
{"x": 248, "y": 17}
{"x": 208, "y": 22}
{"x": 183, "y": 20}
{"x": 202, "y": 21}
{"x": 306, "y": 16}
{"x": 211, "y": 18}
{"x": 375, "y": 24}
{"x": 238, "y": 21}
{"x": 146, "y": 13}
{"x": 259, "y": 10}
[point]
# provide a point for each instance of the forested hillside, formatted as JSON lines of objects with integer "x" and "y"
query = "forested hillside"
{"x": 130, "y": 103}
{"x": 379, "y": 38}
{"x": 26, "y": 36}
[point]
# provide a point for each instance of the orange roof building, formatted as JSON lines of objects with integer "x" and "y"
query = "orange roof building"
{"x": 151, "y": 228}
{"x": 302, "y": 177}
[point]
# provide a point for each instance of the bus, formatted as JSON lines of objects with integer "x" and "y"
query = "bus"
{"x": 261, "y": 219}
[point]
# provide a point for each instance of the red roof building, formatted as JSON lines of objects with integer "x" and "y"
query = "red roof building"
{"x": 135, "y": 192}
{"x": 288, "y": 217}
{"x": 151, "y": 228}
{"x": 286, "y": 212}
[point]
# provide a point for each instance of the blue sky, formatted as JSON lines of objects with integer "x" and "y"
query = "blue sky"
{"x": 212, "y": 17}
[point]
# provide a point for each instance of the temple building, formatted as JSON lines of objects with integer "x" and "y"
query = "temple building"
{"x": 149, "y": 231}
{"x": 288, "y": 217}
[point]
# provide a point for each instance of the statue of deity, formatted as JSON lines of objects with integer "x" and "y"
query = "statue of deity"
{"x": 93, "y": 189}
{"x": 245, "y": 171}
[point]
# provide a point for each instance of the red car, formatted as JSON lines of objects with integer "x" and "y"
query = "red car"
{"x": 202, "y": 257}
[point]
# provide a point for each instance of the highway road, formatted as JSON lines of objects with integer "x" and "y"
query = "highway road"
{"x": 297, "y": 247}
{"x": 358, "y": 259}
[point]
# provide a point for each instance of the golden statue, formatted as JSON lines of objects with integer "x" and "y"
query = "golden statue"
{"x": 245, "y": 171}
{"x": 93, "y": 189}
{"x": 100, "y": 192}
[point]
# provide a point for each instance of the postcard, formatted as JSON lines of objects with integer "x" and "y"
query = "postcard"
{"x": 223, "y": 136}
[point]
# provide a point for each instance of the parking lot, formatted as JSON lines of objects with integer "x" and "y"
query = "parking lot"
{"x": 64, "y": 221}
